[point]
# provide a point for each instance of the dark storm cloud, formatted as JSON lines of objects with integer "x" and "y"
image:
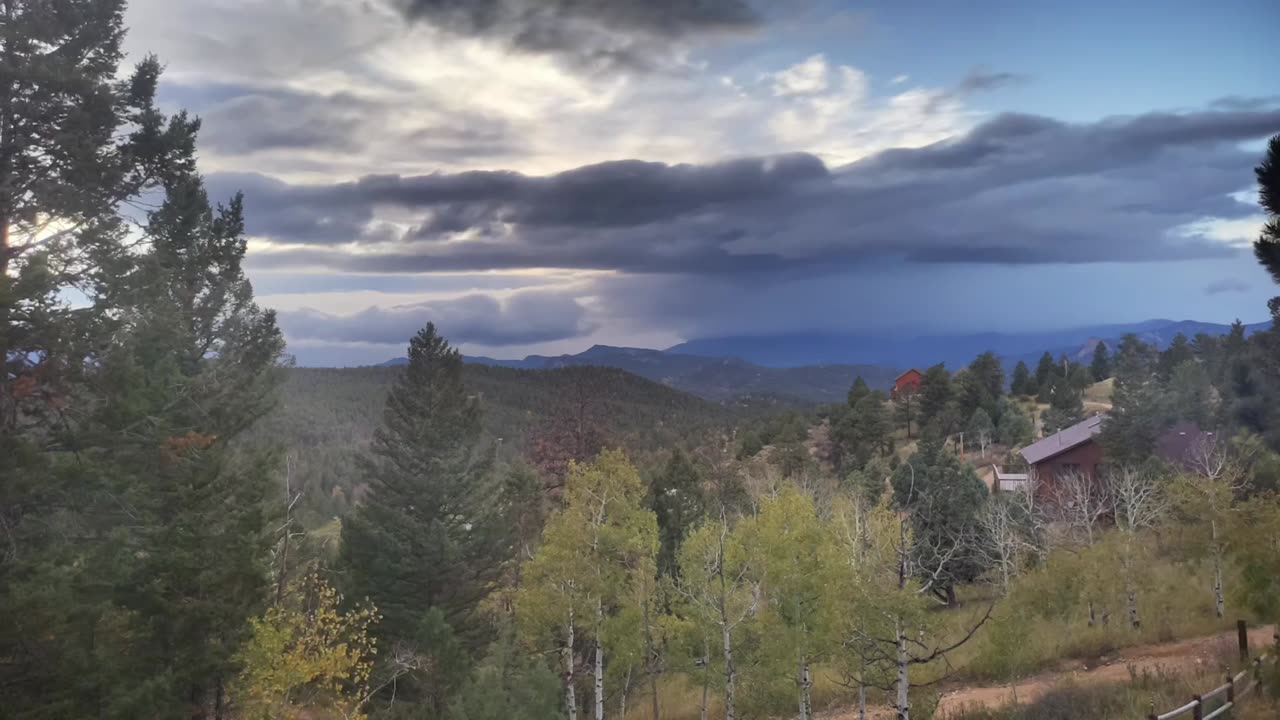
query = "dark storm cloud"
{"x": 529, "y": 316}
{"x": 595, "y": 33}
{"x": 1018, "y": 189}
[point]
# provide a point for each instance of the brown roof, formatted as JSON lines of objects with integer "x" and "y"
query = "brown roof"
{"x": 1063, "y": 440}
{"x": 906, "y": 373}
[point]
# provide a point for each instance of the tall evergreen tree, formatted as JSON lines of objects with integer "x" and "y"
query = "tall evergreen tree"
{"x": 858, "y": 390}
{"x": 943, "y": 496}
{"x": 1046, "y": 369}
{"x": 129, "y": 499}
{"x": 935, "y": 392}
{"x": 1100, "y": 368}
{"x": 1178, "y": 352}
{"x": 1022, "y": 384}
{"x": 1267, "y": 246}
{"x": 429, "y": 542}
{"x": 678, "y": 506}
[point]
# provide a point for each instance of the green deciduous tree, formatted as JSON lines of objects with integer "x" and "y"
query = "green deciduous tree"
{"x": 306, "y": 656}
{"x": 793, "y": 548}
{"x": 596, "y": 555}
{"x": 719, "y": 592}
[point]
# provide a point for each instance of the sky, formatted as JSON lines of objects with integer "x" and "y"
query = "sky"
{"x": 538, "y": 176}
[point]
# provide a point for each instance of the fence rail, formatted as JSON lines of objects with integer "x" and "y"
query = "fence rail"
{"x": 1236, "y": 687}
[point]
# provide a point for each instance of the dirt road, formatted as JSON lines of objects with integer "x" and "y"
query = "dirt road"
{"x": 1180, "y": 657}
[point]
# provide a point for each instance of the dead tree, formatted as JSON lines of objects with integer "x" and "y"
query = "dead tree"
{"x": 1138, "y": 502}
{"x": 1220, "y": 478}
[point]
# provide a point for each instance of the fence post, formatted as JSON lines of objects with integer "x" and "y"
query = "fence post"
{"x": 1231, "y": 688}
{"x": 1151, "y": 715}
{"x": 1242, "y": 634}
{"x": 1197, "y": 712}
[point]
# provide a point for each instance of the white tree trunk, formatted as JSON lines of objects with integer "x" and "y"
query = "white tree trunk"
{"x": 1219, "y": 600}
{"x": 903, "y": 701}
{"x": 599, "y": 681}
{"x": 570, "y": 699}
{"x": 730, "y": 673}
{"x": 706, "y": 676}
{"x": 806, "y": 707}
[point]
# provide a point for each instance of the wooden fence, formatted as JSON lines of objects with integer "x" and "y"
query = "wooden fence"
{"x": 1218, "y": 701}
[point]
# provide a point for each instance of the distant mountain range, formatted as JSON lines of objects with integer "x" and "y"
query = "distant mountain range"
{"x": 714, "y": 378}
{"x": 903, "y": 351}
{"x": 820, "y": 368}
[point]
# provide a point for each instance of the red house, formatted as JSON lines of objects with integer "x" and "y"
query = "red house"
{"x": 907, "y": 383}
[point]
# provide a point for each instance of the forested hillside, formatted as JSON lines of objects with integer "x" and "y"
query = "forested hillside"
{"x": 719, "y": 379}
{"x": 327, "y": 417}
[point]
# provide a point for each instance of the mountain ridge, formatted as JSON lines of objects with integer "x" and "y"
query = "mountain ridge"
{"x": 816, "y": 368}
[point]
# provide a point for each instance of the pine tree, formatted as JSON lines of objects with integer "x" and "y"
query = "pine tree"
{"x": 943, "y": 496}
{"x": 1022, "y": 384}
{"x": 1178, "y": 352}
{"x": 1046, "y": 369}
{"x": 678, "y": 506}
{"x": 430, "y": 541}
{"x": 1267, "y": 246}
{"x": 935, "y": 392}
{"x": 75, "y": 142}
{"x": 1100, "y": 368}
{"x": 858, "y": 390}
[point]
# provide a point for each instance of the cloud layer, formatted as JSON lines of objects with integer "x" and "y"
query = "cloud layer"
{"x": 531, "y": 316}
{"x": 1017, "y": 189}
{"x": 598, "y": 34}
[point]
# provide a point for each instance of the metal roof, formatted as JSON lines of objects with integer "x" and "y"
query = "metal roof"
{"x": 1063, "y": 440}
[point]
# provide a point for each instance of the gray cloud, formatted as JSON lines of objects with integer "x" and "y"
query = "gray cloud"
{"x": 1227, "y": 285}
{"x": 601, "y": 34}
{"x": 1018, "y": 189}
{"x": 980, "y": 79}
{"x": 243, "y": 119}
{"x": 528, "y": 316}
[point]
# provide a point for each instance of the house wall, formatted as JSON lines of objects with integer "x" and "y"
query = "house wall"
{"x": 1086, "y": 458}
{"x": 909, "y": 382}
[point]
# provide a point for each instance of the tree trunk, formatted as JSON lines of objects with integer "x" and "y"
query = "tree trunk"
{"x": 218, "y": 698}
{"x": 651, "y": 664}
{"x": 805, "y": 682}
{"x": 730, "y": 674}
{"x": 903, "y": 702}
{"x": 599, "y": 670}
{"x": 706, "y": 676}
{"x": 570, "y": 701}
{"x": 1219, "y": 601}
{"x": 622, "y": 701}
{"x": 1131, "y": 592}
